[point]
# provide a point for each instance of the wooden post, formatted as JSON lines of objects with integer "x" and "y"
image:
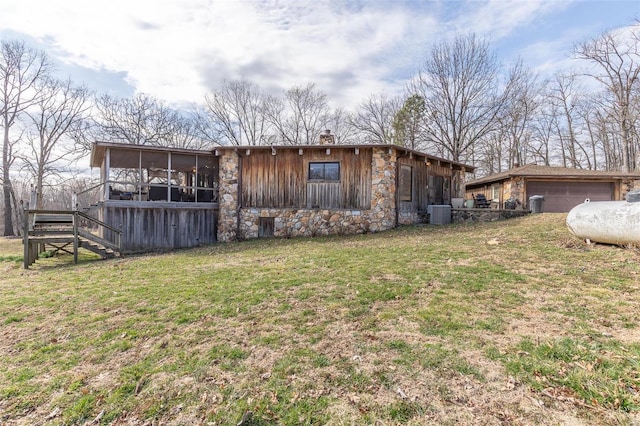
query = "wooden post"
{"x": 25, "y": 238}
{"x": 75, "y": 237}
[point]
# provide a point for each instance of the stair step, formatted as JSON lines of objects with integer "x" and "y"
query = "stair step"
{"x": 104, "y": 252}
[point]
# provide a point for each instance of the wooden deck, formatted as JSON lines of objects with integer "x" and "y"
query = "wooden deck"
{"x": 156, "y": 225}
{"x": 66, "y": 231}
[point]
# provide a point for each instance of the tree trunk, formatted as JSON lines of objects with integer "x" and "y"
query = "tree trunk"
{"x": 6, "y": 186}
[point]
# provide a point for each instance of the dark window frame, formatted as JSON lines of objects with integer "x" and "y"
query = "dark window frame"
{"x": 321, "y": 174}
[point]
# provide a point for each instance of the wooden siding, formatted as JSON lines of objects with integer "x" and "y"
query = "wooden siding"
{"x": 324, "y": 195}
{"x": 441, "y": 170}
{"x": 162, "y": 226}
{"x": 422, "y": 195}
{"x": 281, "y": 180}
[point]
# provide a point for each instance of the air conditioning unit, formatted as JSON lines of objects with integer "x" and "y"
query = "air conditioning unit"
{"x": 439, "y": 214}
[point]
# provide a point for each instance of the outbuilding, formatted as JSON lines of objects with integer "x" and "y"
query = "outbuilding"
{"x": 562, "y": 188}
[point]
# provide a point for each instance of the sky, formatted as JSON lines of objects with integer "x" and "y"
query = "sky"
{"x": 179, "y": 50}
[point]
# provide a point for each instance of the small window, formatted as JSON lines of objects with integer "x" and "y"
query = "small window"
{"x": 405, "y": 184}
{"x": 324, "y": 171}
{"x": 495, "y": 192}
{"x": 266, "y": 227}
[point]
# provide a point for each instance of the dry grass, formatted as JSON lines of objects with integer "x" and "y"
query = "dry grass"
{"x": 10, "y": 246}
{"x": 511, "y": 322}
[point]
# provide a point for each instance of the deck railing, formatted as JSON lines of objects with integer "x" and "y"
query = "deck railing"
{"x": 60, "y": 228}
{"x": 135, "y": 191}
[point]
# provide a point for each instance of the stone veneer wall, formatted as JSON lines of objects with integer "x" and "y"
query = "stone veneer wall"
{"x": 628, "y": 185}
{"x": 513, "y": 188}
{"x": 408, "y": 218}
{"x": 383, "y": 189}
{"x": 305, "y": 222}
{"x": 228, "y": 196}
{"x": 310, "y": 222}
{"x": 484, "y": 215}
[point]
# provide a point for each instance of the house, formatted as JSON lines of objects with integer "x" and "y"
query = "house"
{"x": 167, "y": 198}
{"x": 562, "y": 188}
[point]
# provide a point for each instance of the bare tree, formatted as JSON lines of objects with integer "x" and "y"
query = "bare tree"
{"x": 235, "y": 114}
{"x": 205, "y": 125}
{"x": 460, "y": 85}
{"x": 50, "y": 149}
{"x": 143, "y": 120}
{"x": 566, "y": 95}
{"x": 300, "y": 116}
{"x": 374, "y": 118}
{"x": 20, "y": 69}
{"x": 492, "y": 154}
{"x": 519, "y": 111}
{"x": 607, "y": 135}
{"x": 615, "y": 56}
{"x": 339, "y": 122}
{"x": 543, "y": 129}
{"x": 183, "y": 133}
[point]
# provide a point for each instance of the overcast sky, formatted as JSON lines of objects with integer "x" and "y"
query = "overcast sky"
{"x": 178, "y": 50}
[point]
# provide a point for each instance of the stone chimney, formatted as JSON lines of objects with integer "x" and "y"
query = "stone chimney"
{"x": 327, "y": 138}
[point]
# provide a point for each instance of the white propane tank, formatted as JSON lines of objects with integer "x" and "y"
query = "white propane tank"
{"x": 610, "y": 222}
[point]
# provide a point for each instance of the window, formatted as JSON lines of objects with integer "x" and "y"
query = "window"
{"x": 495, "y": 193}
{"x": 324, "y": 171}
{"x": 405, "y": 183}
{"x": 266, "y": 226}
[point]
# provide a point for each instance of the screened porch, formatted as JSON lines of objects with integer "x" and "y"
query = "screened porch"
{"x": 155, "y": 174}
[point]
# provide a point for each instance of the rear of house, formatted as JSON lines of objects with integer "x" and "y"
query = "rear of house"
{"x": 287, "y": 191}
{"x": 164, "y": 198}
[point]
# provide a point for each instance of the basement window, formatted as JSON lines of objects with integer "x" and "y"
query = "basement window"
{"x": 325, "y": 171}
{"x": 266, "y": 227}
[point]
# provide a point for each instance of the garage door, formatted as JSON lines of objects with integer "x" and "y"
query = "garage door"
{"x": 563, "y": 196}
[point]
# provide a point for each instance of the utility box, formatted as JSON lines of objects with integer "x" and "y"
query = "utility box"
{"x": 439, "y": 214}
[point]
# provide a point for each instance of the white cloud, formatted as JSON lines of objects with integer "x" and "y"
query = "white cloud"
{"x": 177, "y": 50}
{"x": 499, "y": 18}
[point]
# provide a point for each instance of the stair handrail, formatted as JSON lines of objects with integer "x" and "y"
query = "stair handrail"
{"x": 116, "y": 231}
{"x": 31, "y": 250}
{"x": 74, "y": 196}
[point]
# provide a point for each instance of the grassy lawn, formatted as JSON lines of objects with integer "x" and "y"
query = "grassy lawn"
{"x": 512, "y": 322}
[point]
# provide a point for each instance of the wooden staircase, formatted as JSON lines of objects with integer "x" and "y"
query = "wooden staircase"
{"x": 103, "y": 252}
{"x": 67, "y": 231}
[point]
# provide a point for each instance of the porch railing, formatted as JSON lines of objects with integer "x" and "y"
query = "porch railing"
{"x": 58, "y": 228}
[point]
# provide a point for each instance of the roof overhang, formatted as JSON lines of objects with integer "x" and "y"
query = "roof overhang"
{"x": 596, "y": 176}
{"x": 402, "y": 150}
{"x": 99, "y": 149}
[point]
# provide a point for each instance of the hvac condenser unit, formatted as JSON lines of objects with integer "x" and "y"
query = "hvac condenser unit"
{"x": 439, "y": 215}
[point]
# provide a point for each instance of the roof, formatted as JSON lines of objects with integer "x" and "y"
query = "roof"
{"x": 98, "y": 149}
{"x": 466, "y": 167}
{"x": 562, "y": 173}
